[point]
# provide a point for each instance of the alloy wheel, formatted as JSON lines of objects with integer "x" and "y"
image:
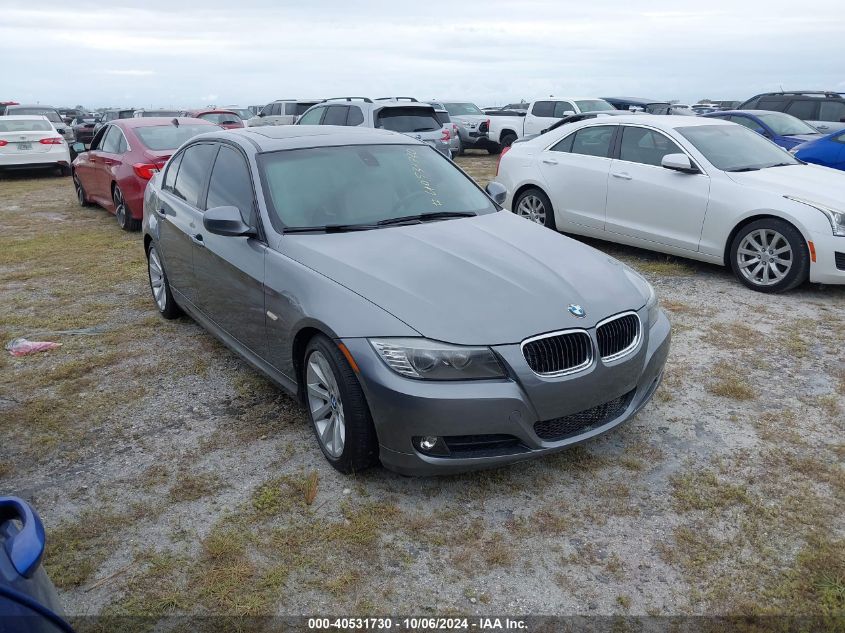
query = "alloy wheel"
{"x": 532, "y": 208}
{"x": 120, "y": 208}
{"x": 325, "y": 404}
{"x": 157, "y": 280}
{"x": 764, "y": 257}
{"x": 80, "y": 195}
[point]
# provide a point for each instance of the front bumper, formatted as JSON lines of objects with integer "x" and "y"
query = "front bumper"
{"x": 829, "y": 268}
{"x": 403, "y": 409}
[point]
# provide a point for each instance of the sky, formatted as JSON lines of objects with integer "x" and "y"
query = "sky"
{"x": 247, "y": 52}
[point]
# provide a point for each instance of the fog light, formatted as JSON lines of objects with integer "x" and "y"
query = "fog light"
{"x": 428, "y": 443}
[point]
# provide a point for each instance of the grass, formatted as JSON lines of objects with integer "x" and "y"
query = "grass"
{"x": 704, "y": 491}
{"x": 191, "y": 486}
{"x": 730, "y": 383}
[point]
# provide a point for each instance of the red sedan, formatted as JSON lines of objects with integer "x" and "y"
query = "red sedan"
{"x": 226, "y": 119}
{"x": 124, "y": 155}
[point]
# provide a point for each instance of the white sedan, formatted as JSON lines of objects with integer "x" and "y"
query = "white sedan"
{"x": 698, "y": 188}
{"x": 29, "y": 140}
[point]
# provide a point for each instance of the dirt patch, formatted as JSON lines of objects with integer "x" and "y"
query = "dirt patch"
{"x": 174, "y": 479}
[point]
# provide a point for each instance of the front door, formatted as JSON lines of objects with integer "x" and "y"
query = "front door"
{"x": 652, "y": 203}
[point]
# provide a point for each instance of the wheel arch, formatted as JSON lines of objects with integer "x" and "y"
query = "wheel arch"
{"x": 753, "y": 217}
{"x": 303, "y": 336}
{"x": 525, "y": 187}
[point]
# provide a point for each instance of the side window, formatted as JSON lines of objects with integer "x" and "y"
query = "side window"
{"x": 276, "y": 109}
{"x": 561, "y": 107}
{"x": 172, "y": 170}
{"x": 751, "y": 124}
{"x": 356, "y": 117}
{"x": 832, "y": 111}
{"x": 335, "y": 115}
{"x": 230, "y": 184}
{"x": 647, "y": 147}
{"x": 267, "y": 109}
{"x": 563, "y": 146}
{"x": 196, "y": 163}
{"x": 803, "y": 109}
{"x": 290, "y": 109}
{"x": 98, "y": 138}
{"x": 770, "y": 104}
{"x": 312, "y": 117}
{"x": 543, "y": 108}
{"x": 122, "y": 144}
{"x": 111, "y": 142}
{"x": 593, "y": 141}
{"x": 751, "y": 104}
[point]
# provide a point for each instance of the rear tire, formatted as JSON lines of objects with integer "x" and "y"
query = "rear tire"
{"x": 494, "y": 149}
{"x": 770, "y": 255}
{"x": 508, "y": 139}
{"x": 81, "y": 197}
{"x": 160, "y": 286}
{"x": 122, "y": 213}
{"x": 340, "y": 417}
{"x": 533, "y": 204}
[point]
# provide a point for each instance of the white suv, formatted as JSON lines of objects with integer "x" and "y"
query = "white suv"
{"x": 281, "y": 112}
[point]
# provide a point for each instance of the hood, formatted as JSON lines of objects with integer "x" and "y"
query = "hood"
{"x": 810, "y": 182}
{"x": 470, "y": 118}
{"x": 495, "y": 279}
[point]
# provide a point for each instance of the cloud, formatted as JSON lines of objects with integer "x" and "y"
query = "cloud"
{"x": 129, "y": 72}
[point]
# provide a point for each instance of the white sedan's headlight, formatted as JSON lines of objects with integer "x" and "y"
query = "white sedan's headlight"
{"x": 431, "y": 360}
{"x": 834, "y": 216}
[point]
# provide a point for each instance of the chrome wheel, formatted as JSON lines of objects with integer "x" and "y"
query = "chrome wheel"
{"x": 325, "y": 404}
{"x": 157, "y": 280}
{"x": 80, "y": 195}
{"x": 764, "y": 257}
{"x": 532, "y": 208}
{"x": 120, "y": 209}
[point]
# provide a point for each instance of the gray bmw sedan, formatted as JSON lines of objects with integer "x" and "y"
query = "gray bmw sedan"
{"x": 420, "y": 324}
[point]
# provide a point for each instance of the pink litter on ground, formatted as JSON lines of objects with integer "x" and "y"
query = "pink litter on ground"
{"x": 22, "y": 347}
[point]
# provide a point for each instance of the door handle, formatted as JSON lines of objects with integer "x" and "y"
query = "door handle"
{"x": 197, "y": 239}
{"x": 549, "y": 161}
{"x": 622, "y": 175}
{"x": 160, "y": 211}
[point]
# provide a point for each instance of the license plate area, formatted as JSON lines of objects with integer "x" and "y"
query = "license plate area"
{"x": 24, "y": 146}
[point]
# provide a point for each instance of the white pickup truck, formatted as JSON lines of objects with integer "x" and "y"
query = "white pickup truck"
{"x": 541, "y": 114}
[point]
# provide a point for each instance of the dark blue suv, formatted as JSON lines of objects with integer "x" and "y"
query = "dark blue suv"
{"x": 28, "y": 600}
{"x": 783, "y": 129}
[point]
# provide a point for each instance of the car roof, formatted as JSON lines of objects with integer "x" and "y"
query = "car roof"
{"x": 296, "y": 100}
{"x": 20, "y": 106}
{"x": 656, "y": 120}
{"x": 280, "y": 137}
{"x": 26, "y": 117}
{"x": 149, "y": 121}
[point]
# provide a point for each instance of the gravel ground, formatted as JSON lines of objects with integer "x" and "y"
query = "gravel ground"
{"x": 173, "y": 479}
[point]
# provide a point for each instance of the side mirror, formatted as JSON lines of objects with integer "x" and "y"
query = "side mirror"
{"x": 679, "y": 162}
{"x": 260, "y": 114}
{"x": 497, "y": 191}
{"x": 226, "y": 221}
{"x": 568, "y": 112}
{"x": 78, "y": 148}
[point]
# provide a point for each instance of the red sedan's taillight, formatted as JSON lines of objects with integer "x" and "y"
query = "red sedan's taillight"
{"x": 54, "y": 140}
{"x": 505, "y": 150}
{"x": 446, "y": 136}
{"x": 2, "y": 142}
{"x": 147, "y": 170}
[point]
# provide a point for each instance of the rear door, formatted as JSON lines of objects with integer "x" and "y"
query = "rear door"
{"x": 101, "y": 160}
{"x": 180, "y": 218}
{"x": 229, "y": 271}
{"x": 649, "y": 202}
{"x": 576, "y": 171}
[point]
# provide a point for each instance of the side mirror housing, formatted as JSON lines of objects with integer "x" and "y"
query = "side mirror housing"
{"x": 679, "y": 162}
{"x": 497, "y": 191}
{"x": 260, "y": 114}
{"x": 226, "y": 221}
{"x": 78, "y": 148}
{"x": 568, "y": 112}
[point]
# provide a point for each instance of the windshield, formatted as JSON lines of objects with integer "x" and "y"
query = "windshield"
{"x": 408, "y": 120}
{"x": 51, "y": 114}
{"x": 243, "y": 113}
{"x": 165, "y": 137}
{"x": 365, "y": 184}
{"x": 220, "y": 117}
{"x": 458, "y": 109}
{"x": 735, "y": 148}
{"x": 593, "y": 105}
{"x": 785, "y": 124}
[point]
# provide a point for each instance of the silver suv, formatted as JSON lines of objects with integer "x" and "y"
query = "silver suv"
{"x": 406, "y": 116}
{"x": 281, "y": 112}
{"x": 473, "y": 124}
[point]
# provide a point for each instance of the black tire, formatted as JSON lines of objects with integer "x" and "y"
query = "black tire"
{"x": 799, "y": 255}
{"x": 548, "y": 210}
{"x": 360, "y": 447}
{"x": 81, "y": 196}
{"x": 122, "y": 213}
{"x": 460, "y": 150}
{"x": 494, "y": 149}
{"x": 64, "y": 171}
{"x": 508, "y": 139}
{"x": 168, "y": 308}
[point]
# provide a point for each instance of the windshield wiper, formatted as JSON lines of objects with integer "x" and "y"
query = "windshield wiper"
{"x": 738, "y": 169}
{"x": 783, "y": 164}
{"x": 435, "y": 215}
{"x": 329, "y": 228}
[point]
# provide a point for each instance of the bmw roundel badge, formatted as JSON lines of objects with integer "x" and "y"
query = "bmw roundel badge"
{"x": 577, "y": 311}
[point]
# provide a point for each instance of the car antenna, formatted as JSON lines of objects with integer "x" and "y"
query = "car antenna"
{"x": 175, "y": 122}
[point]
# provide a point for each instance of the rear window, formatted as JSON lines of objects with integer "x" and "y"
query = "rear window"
{"x": 51, "y": 114}
{"x": 407, "y": 120}
{"x": 220, "y": 117}
{"x": 24, "y": 125}
{"x": 443, "y": 117}
{"x": 167, "y": 113}
{"x": 164, "y": 137}
{"x": 459, "y": 109}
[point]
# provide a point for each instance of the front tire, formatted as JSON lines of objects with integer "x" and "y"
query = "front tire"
{"x": 122, "y": 213}
{"x": 770, "y": 255}
{"x": 339, "y": 413}
{"x": 533, "y": 204}
{"x": 160, "y": 286}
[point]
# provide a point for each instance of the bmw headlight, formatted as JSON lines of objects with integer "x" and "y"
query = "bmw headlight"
{"x": 650, "y": 296}
{"x": 834, "y": 216}
{"x": 431, "y": 360}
